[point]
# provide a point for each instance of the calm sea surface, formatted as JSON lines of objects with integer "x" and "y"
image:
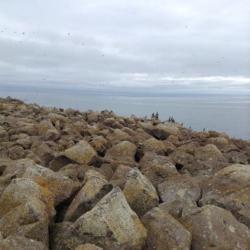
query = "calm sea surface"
{"x": 225, "y": 113}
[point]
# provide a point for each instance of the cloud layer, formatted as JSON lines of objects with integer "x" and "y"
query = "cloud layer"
{"x": 173, "y": 43}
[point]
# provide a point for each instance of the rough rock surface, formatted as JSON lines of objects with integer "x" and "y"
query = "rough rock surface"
{"x": 95, "y": 180}
{"x": 230, "y": 189}
{"x": 139, "y": 192}
{"x": 88, "y": 247}
{"x": 21, "y": 243}
{"x": 111, "y": 224}
{"x": 165, "y": 232}
{"x": 157, "y": 168}
{"x": 82, "y": 153}
{"x": 215, "y": 228}
{"x": 123, "y": 152}
{"x": 95, "y": 187}
{"x": 25, "y": 210}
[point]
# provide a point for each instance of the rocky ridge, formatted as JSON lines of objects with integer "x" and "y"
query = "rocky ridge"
{"x": 72, "y": 180}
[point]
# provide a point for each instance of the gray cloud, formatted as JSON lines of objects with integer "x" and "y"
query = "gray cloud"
{"x": 178, "y": 44}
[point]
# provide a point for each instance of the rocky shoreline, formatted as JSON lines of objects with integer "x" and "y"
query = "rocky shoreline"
{"x": 95, "y": 180}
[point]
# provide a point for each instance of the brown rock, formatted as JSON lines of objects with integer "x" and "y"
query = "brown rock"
{"x": 230, "y": 188}
{"x": 43, "y": 127}
{"x": 154, "y": 145}
{"x": 61, "y": 187}
{"x": 25, "y": 210}
{"x": 165, "y": 232}
{"x": 216, "y": 228}
{"x": 111, "y": 122}
{"x": 21, "y": 243}
{"x": 52, "y": 134}
{"x": 95, "y": 187}
{"x": 139, "y": 192}
{"x": 183, "y": 159}
{"x": 119, "y": 177}
{"x": 59, "y": 162}
{"x": 140, "y": 135}
{"x": 16, "y": 152}
{"x": 123, "y": 152}
{"x": 163, "y": 131}
{"x": 100, "y": 144}
{"x": 179, "y": 187}
{"x": 16, "y": 169}
{"x": 93, "y": 117}
{"x": 219, "y": 142}
{"x": 27, "y": 128}
{"x": 3, "y": 134}
{"x": 106, "y": 170}
{"x": 209, "y": 158}
{"x": 118, "y": 135}
{"x": 81, "y": 153}
{"x": 204, "y": 160}
{"x": 111, "y": 224}
{"x": 25, "y": 142}
{"x": 157, "y": 168}
{"x": 88, "y": 247}
{"x": 44, "y": 152}
{"x": 179, "y": 194}
{"x": 74, "y": 171}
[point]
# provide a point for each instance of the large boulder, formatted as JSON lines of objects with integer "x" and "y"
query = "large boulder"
{"x": 59, "y": 161}
{"x": 230, "y": 189}
{"x": 3, "y": 134}
{"x": 16, "y": 152}
{"x": 44, "y": 152}
{"x": 123, "y": 152}
{"x": 95, "y": 187}
{"x": 61, "y": 187}
{"x": 216, "y": 228}
{"x": 75, "y": 172}
{"x": 26, "y": 209}
{"x": 179, "y": 187}
{"x": 118, "y": 135}
{"x": 111, "y": 224}
{"x": 165, "y": 232}
{"x": 43, "y": 127}
{"x": 209, "y": 159}
{"x": 82, "y": 153}
{"x": 160, "y": 131}
{"x": 154, "y": 145}
{"x": 140, "y": 135}
{"x": 139, "y": 192}
{"x": 180, "y": 194}
{"x": 119, "y": 177}
{"x": 163, "y": 130}
{"x": 24, "y": 141}
{"x": 204, "y": 160}
{"x": 157, "y": 168}
{"x": 100, "y": 144}
{"x": 220, "y": 141}
{"x": 15, "y": 168}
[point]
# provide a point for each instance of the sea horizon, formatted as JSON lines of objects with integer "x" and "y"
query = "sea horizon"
{"x": 201, "y": 110}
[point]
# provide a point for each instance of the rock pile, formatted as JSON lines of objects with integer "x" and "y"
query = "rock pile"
{"x": 72, "y": 180}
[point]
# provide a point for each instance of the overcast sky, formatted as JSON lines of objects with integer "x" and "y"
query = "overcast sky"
{"x": 77, "y": 43}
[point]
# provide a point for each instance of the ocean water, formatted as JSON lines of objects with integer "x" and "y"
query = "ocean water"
{"x": 224, "y": 113}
